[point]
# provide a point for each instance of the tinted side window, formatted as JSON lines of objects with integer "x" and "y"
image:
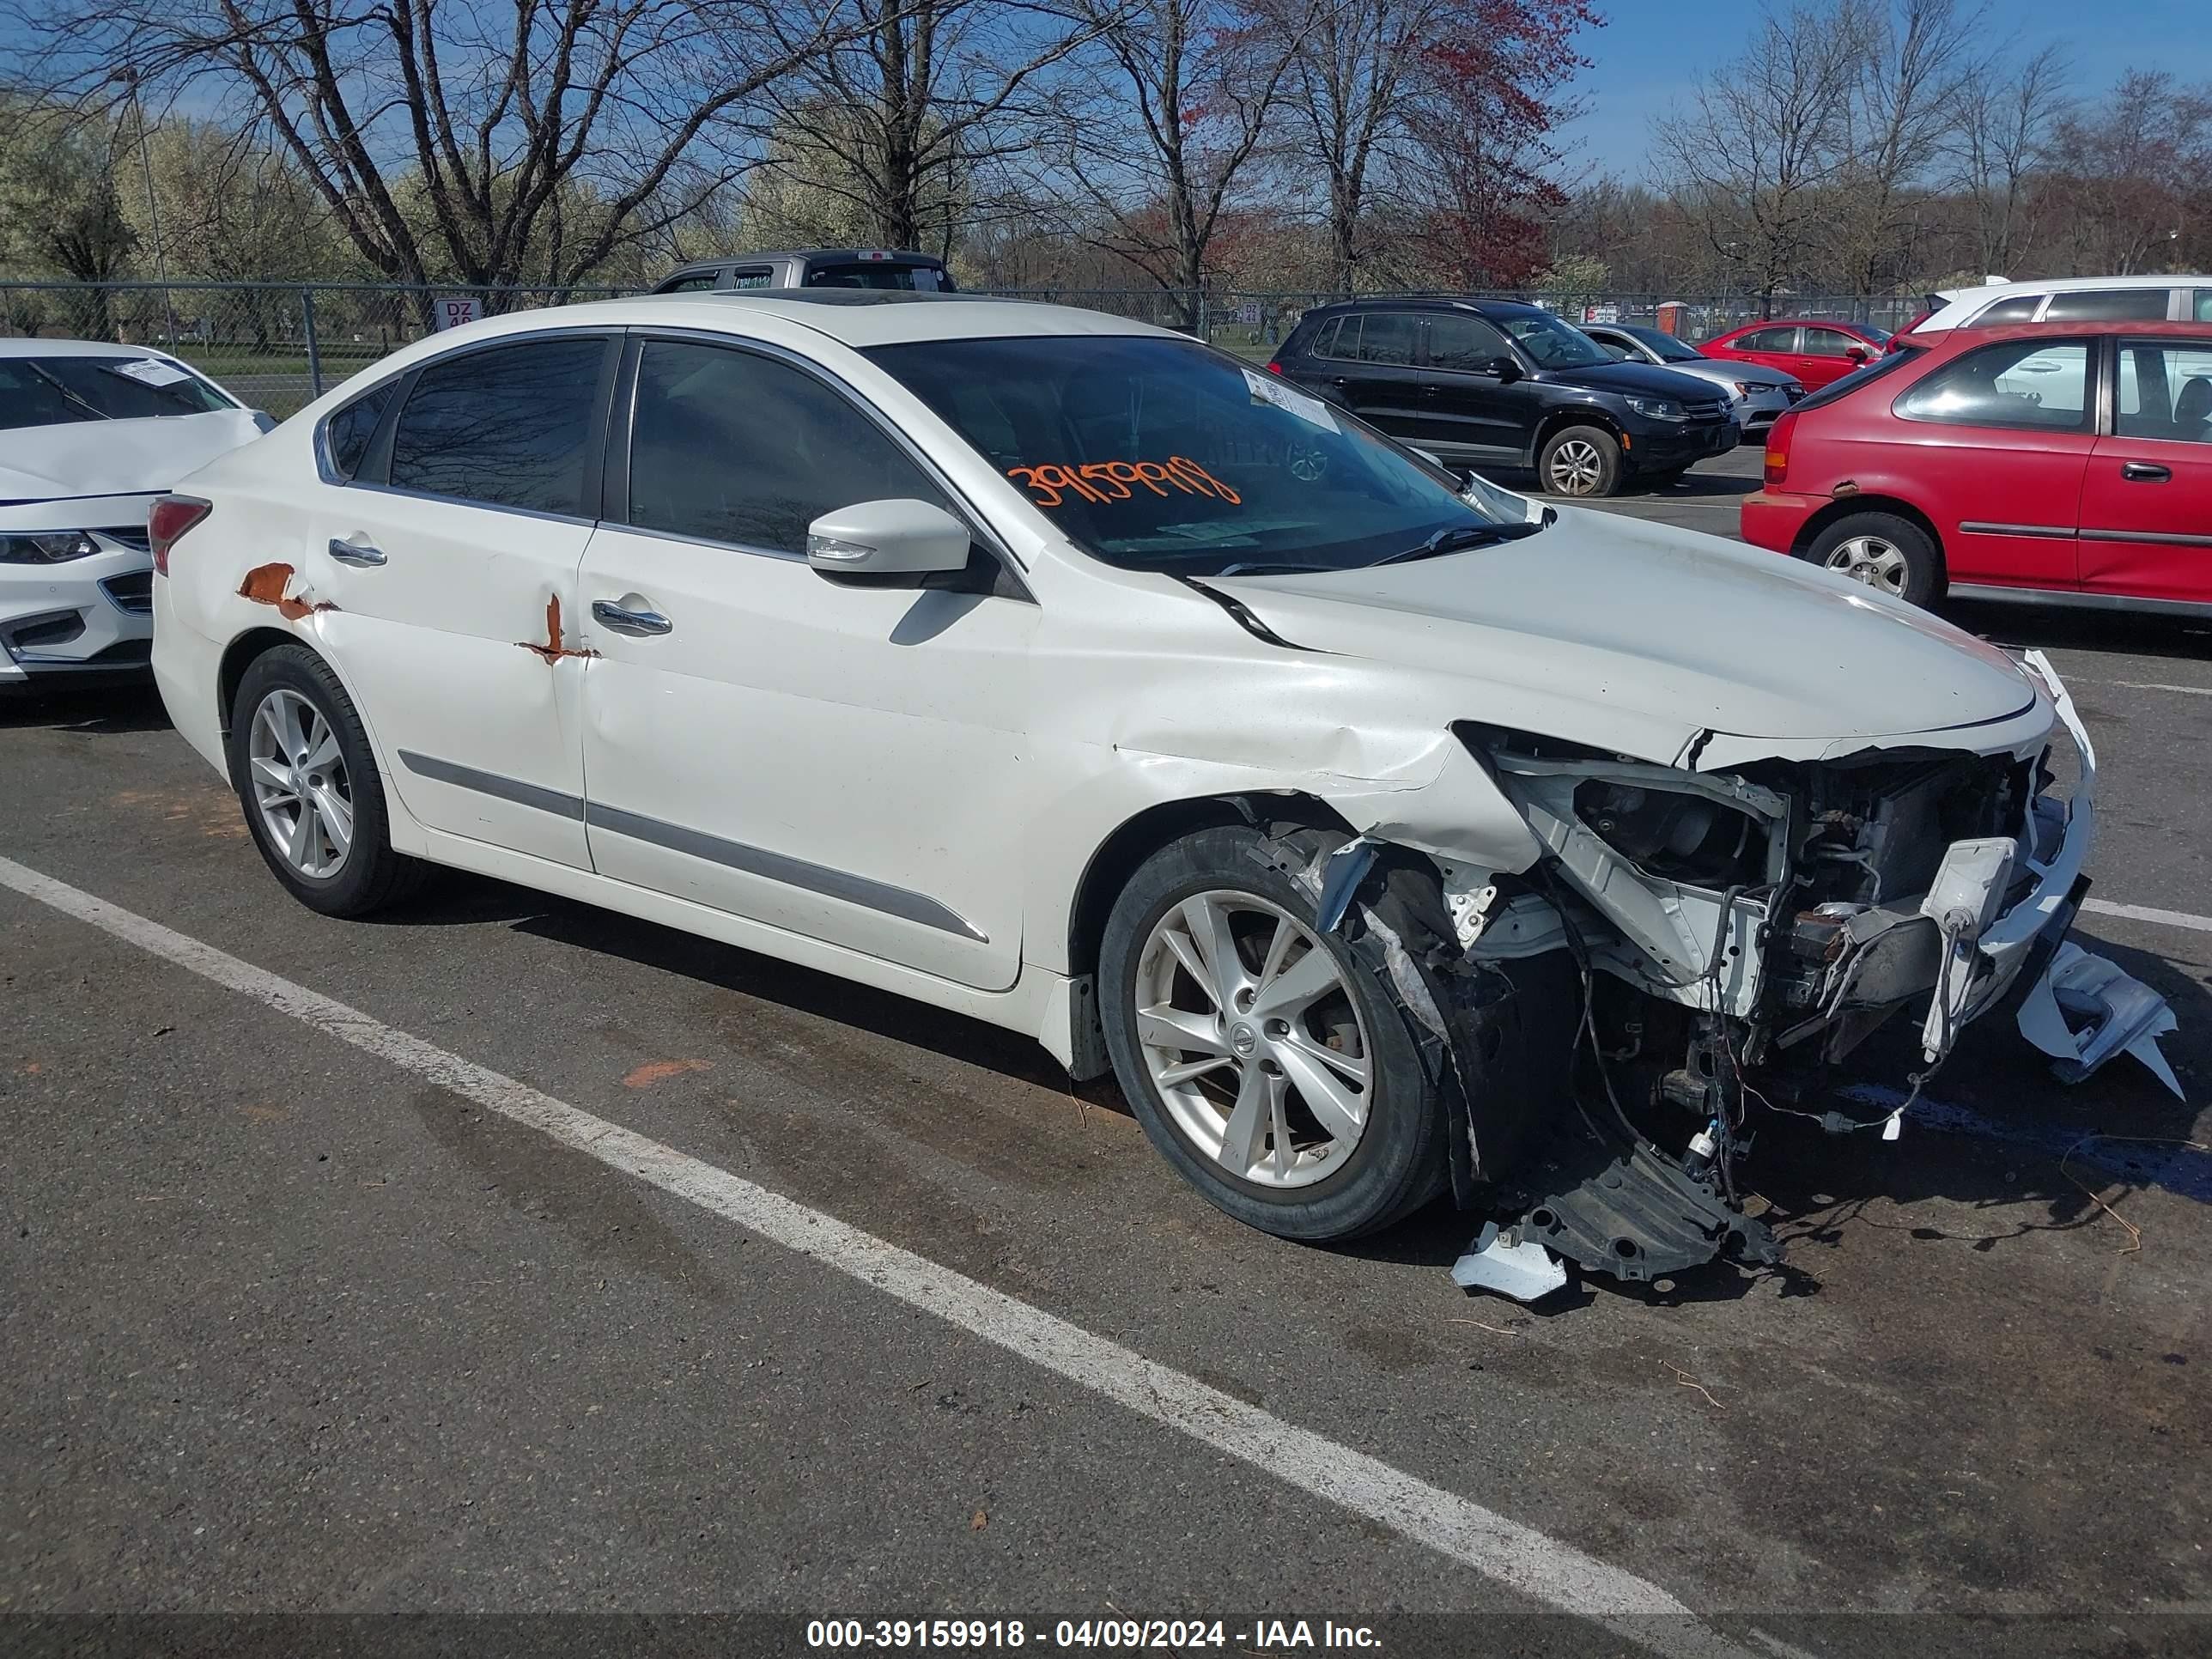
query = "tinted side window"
{"x": 2098, "y": 305}
{"x": 752, "y": 276}
{"x": 509, "y": 426}
{"x": 731, "y": 446}
{"x": 346, "y": 437}
{"x": 1768, "y": 339}
{"x": 1829, "y": 343}
{"x": 1387, "y": 336}
{"x": 2036, "y": 384}
{"x": 705, "y": 279}
{"x": 1324, "y": 343}
{"x": 2020, "y": 309}
{"x": 2200, "y": 310}
{"x": 1463, "y": 342}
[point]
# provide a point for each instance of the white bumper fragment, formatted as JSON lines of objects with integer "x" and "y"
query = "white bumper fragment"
{"x": 2122, "y": 1015}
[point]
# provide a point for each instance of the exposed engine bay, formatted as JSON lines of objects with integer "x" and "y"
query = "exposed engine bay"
{"x": 1694, "y": 944}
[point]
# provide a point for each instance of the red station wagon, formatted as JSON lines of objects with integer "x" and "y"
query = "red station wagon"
{"x": 1816, "y": 351}
{"x": 2066, "y": 463}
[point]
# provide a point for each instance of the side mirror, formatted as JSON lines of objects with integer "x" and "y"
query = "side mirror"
{"x": 887, "y": 538}
{"x": 263, "y": 419}
{"x": 1857, "y": 354}
{"x": 1504, "y": 368}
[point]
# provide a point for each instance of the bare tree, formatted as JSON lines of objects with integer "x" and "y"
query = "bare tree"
{"x": 2128, "y": 178}
{"x": 1904, "y": 105}
{"x": 1177, "y": 105}
{"x": 2006, "y": 115}
{"x": 1753, "y": 156}
{"x": 453, "y": 139}
{"x": 910, "y": 96}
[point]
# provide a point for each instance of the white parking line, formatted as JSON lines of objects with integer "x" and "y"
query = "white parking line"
{"x": 1518, "y": 1557}
{"x": 2157, "y": 685}
{"x": 2146, "y": 913}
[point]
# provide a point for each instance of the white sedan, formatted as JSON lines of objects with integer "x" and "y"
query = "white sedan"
{"x": 1365, "y": 820}
{"x": 91, "y": 434}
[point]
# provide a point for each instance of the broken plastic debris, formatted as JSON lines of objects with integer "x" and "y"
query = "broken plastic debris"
{"x": 2123, "y": 1014}
{"x": 1524, "y": 1271}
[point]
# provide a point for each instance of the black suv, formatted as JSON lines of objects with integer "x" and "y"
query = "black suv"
{"x": 1496, "y": 383}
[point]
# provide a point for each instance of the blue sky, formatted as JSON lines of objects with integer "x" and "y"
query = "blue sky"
{"x": 1651, "y": 53}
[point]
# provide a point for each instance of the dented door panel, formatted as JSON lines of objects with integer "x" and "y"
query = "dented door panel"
{"x": 463, "y": 643}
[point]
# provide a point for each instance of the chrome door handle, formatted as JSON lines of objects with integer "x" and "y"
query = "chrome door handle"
{"x": 630, "y": 622}
{"x": 2145, "y": 472}
{"x": 356, "y": 553}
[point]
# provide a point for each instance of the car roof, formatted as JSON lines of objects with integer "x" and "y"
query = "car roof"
{"x": 1430, "y": 302}
{"x": 859, "y": 318}
{"x": 20, "y": 346}
{"x": 1960, "y": 303}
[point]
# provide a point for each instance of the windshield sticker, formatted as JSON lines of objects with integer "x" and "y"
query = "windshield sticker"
{"x": 1290, "y": 400}
{"x": 1117, "y": 481}
{"x": 150, "y": 371}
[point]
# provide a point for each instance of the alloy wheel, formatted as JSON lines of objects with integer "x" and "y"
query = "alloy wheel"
{"x": 300, "y": 786}
{"x": 1576, "y": 467}
{"x": 1871, "y": 560}
{"x": 1250, "y": 1035}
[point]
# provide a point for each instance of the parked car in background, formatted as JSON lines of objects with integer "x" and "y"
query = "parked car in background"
{"x": 1813, "y": 351}
{"x": 2052, "y": 462}
{"x": 91, "y": 434}
{"x": 475, "y": 608}
{"x": 1489, "y": 383}
{"x": 2065, "y": 299}
{"x": 1761, "y": 393}
{"x": 818, "y": 267}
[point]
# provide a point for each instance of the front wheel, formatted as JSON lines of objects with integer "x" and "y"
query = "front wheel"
{"x": 1892, "y": 555}
{"x": 1580, "y": 461}
{"x": 1273, "y": 1066}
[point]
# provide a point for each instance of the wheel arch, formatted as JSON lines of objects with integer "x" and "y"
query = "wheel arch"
{"x": 1137, "y": 838}
{"x": 1845, "y": 506}
{"x": 239, "y": 656}
{"x": 1557, "y": 420}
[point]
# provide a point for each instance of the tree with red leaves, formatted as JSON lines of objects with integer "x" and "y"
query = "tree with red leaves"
{"x": 1432, "y": 117}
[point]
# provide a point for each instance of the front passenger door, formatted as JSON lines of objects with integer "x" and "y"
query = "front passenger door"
{"x": 1473, "y": 413}
{"x": 829, "y": 759}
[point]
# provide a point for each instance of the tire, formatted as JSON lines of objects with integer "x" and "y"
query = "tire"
{"x": 1313, "y": 1183}
{"x": 1580, "y": 461}
{"x": 1889, "y": 554}
{"x": 364, "y": 874}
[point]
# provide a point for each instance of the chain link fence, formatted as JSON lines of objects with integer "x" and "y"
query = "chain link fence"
{"x": 276, "y": 346}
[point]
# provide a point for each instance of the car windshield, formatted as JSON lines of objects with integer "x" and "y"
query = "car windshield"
{"x": 1162, "y": 454}
{"x": 57, "y": 391}
{"x": 1666, "y": 346}
{"x": 1550, "y": 343}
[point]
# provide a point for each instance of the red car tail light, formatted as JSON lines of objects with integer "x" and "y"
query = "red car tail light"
{"x": 1274, "y": 367}
{"x": 172, "y": 516}
{"x": 1777, "y": 449}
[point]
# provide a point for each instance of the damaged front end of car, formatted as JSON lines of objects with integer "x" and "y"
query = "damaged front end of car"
{"x": 1715, "y": 938}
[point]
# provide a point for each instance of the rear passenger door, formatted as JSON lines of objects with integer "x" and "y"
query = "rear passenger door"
{"x": 1824, "y": 355}
{"x": 2147, "y": 502}
{"x": 442, "y": 562}
{"x": 834, "y": 759}
{"x": 1372, "y": 371}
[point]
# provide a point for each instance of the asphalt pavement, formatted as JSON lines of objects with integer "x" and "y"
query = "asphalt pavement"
{"x": 577, "y": 1266}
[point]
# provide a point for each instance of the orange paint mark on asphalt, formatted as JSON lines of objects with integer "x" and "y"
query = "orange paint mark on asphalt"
{"x": 660, "y": 1071}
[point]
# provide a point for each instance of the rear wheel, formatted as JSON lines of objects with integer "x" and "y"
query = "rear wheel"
{"x": 1272, "y": 1065}
{"x": 301, "y": 762}
{"x": 1580, "y": 461}
{"x": 1890, "y": 554}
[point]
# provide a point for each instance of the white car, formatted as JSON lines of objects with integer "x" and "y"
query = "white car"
{"x": 1063, "y": 672}
{"x": 91, "y": 434}
{"x": 2162, "y": 297}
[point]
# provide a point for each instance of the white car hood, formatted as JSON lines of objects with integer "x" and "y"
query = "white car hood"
{"x": 1650, "y": 622}
{"x": 115, "y": 458}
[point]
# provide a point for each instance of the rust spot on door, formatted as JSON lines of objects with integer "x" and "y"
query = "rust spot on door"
{"x": 270, "y": 583}
{"x": 554, "y": 648}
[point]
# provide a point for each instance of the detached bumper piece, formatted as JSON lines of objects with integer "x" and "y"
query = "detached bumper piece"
{"x": 2119, "y": 1013}
{"x": 1638, "y": 1218}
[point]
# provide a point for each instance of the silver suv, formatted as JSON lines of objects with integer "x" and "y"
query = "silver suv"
{"x": 838, "y": 267}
